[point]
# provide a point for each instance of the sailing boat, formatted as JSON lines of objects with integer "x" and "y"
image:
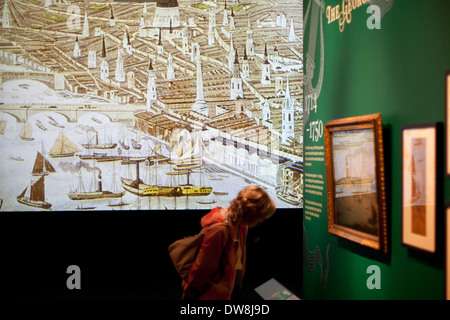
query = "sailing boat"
{"x": 137, "y": 186}
{"x": 34, "y": 194}
{"x": 2, "y": 126}
{"x": 63, "y": 147}
{"x": 42, "y": 166}
{"x": 140, "y": 188}
{"x": 136, "y": 143}
{"x": 95, "y": 190}
{"x": 416, "y": 194}
{"x": 26, "y": 131}
{"x": 96, "y": 144}
{"x": 124, "y": 145}
{"x": 156, "y": 157}
{"x": 186, "y": 156}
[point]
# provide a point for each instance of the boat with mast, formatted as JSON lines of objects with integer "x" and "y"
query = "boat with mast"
{"x": 184, "y": 166}
{"x": 94, "y": 189}
{"x": 137, "y": 186}
{"x": 93, "y": 142}
{"x": 186, "y": 160}
{"x": 26, "y": 131}
{"x": 34, "y": 194}
{"x": 124, "y": 145}
{"x": 42, "y": 166}
{"x": 63, "y": 147}
{"x": 137, "y": 143}
{"x": 100, "y": 157}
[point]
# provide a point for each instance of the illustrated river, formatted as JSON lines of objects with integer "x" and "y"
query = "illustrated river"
{"x": 17, "y": 160}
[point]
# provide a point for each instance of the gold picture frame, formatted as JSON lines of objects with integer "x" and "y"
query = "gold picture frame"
{"x": 356, "y": 196}
{"x": 419, "y": 186}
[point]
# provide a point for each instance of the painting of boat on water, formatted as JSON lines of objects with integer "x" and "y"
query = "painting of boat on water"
{"x": 355, "y": 180}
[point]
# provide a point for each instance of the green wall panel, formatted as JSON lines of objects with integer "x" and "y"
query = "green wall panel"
{"x": 398, "y": 71}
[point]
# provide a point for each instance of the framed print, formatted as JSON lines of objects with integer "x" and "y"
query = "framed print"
{"x": 447, "y": 259}
{"x": 419, "y": 147}
{"x": 355, "y": 180}
{"x": 447, "y": 122}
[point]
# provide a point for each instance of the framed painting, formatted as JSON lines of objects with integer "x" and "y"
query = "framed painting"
{"x": 447, "y": 259}
{"x": 447, "y": 122}
{"x": 355, "y": 180}
{"x": 419, "y": 158}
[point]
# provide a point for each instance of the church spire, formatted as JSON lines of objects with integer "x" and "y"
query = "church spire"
{"x": 292, "y": 32}
{"x": 265, "y": 54}
{"x": 120, "y": 72}
{"x": 249, "y": 42}
{"x": 287, "y": 118}
{"x": 86, "y": 24}
{"x": 225, "y": 15}
{"x": 231, "y": 54}
{"x": 150, "y": 66}
{"x": 112, "y": 20}
{"x": 170, "y": 68}
{"x": 103, "y": 48}
{"x": 104, "y": 67}
{"x": 236, "y": 81}
{"x": 232, "y": 26}
{"x": 151, "y": 86}
{"x": 5, "y": 16}
{"x": 160, "y": 45}
{"x": 245, "y": 66}
{"x": 265, "y": 75}
{"x": 288, "y": 91}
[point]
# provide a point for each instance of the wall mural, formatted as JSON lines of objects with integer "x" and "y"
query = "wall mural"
{"x": 149, "y": 105}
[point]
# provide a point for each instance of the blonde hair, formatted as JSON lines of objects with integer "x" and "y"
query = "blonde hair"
{"x": 251, "y": 206}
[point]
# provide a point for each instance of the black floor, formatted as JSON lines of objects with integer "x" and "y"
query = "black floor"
{"x": 124, "y": 255}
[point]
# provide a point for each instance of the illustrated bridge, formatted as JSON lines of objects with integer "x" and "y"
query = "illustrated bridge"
{"x": 116, "y": 113}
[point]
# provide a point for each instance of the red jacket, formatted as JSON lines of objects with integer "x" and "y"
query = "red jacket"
{"x": 212, "y": 275}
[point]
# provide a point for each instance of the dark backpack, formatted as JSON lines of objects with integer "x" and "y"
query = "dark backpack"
{"x": 183, "y": 252}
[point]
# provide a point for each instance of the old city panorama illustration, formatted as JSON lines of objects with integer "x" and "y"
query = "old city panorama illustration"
{"x": 166, "y": 104}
